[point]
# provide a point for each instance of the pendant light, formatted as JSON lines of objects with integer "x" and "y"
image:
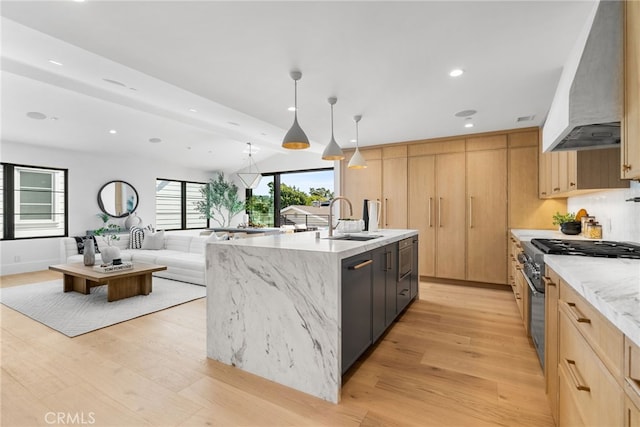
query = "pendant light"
{"x": 332, "y": 151}
{"x": 295, "y": 139}
{"x": 250, "y": 179}
{"x": 357, "y": 161}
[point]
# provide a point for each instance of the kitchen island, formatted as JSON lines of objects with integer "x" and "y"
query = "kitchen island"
{"x": 274, "y": 306}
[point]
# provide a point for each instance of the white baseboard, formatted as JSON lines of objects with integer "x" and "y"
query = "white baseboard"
{"x": 27, "y": 267}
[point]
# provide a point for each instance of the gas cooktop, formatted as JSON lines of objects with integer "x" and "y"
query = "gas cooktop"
{"x": 597, "y": 248}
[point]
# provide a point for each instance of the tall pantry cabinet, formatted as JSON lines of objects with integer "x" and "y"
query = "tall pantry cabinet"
{"x": 630, "y": 150}
{"x": 436, "y": 207}
{"x": 486, "y": 203}
{"x": 394, "y": 187}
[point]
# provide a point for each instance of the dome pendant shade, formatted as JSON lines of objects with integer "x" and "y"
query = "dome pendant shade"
{"x": 357, "y": 161}
{"x": 250, "y": 179}
{"x": 295, "y": 139}
{"x": 332, "y": 151}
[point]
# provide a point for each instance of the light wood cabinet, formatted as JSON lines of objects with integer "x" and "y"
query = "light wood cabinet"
{"x": 551, "y": 284}
{"x": 360, "y": 184}
{"x": 589, "y": 393}
{"x": 590, "y": 365}
{"x": 450, "y": 216}
{"x": 394, "y": 187}
{"x": 422, "y": 196}
{"x": 630, "y": 148}
{"x": 487, "y": 215}
{"x": 528, "y": 208}
{"x": 566, "y": 173}
{"x": 437, "y": 211}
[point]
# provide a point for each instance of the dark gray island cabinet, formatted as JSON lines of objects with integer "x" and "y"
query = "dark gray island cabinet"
{"x": 299, "y": 309}
{"x": 374, "y": 293}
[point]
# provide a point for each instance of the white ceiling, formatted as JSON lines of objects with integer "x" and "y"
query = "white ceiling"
{"x": 388, "y": 61}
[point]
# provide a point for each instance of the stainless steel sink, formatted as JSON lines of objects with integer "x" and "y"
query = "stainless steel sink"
{"x": 356, "y": 237}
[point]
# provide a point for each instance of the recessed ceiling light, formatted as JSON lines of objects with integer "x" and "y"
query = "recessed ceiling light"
{"x": 193, "y": 110}
{"x": 468, "y": 125}
{"x": 155, "y": 140}
{"x": 352, "y": 140}
{"x": 465, "y": 113}
{"x": 36, "y": 115}
{"x": 113, "y": 131}
{"x": 456, "y": 72}
{"x": 291, "y": 109}
{"x": 54, "y": 62}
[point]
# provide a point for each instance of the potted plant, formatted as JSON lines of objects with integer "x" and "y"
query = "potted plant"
{"x": 567, "y": 223}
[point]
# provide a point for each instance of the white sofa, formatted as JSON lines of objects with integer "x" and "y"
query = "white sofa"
{"x": 182, "y": 254}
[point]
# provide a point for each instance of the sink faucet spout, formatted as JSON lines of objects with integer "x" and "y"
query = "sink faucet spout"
{"x": 331, "y": 211}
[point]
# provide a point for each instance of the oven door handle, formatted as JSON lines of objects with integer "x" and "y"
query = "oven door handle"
{"x": 533, "y": 288}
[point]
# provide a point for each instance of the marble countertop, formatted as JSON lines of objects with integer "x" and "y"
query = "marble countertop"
{"x": 611, "y": 285}
{"x": 308, "y": 242}
{"x": 525, "y": 235}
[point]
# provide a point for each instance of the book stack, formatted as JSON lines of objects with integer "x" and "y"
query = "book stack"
{"x": 113, "y": 268}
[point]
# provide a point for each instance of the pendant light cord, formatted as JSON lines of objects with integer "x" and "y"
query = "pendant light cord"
{"x": 295, "y": 98}
{"x": 332, "y": 121}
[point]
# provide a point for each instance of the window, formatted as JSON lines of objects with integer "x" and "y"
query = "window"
{"x": 176, "y": 205}
{"x": 34, "y": 202}
{"x": 292, "y": 198}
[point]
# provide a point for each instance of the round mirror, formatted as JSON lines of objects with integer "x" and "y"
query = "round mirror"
{"x": 117, "y": 199}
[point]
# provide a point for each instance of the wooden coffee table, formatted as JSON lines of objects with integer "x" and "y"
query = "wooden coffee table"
{"x": 121, "y": 284}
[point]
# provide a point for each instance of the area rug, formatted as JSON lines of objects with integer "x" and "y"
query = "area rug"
{"x": 73, "y": 313}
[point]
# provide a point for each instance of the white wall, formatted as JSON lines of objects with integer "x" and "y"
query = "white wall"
{"x": 620, "y": 219}
{"x": 87, "y": 173}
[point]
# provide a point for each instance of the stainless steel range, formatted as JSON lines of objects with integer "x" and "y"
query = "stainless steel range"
{"x": 532, "y": 260}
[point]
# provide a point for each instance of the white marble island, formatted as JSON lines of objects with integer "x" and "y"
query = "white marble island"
{"x": 274, "y": 306}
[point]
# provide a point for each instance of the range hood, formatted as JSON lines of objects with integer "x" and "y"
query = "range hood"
{"x": 587, "y": 106}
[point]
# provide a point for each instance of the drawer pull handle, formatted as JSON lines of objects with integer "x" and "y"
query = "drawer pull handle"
{"x": 547, "y": 281}
{"x": 573, "y": 371}
{"x": 362, "y": 264}
{"x": 576, "y": 313}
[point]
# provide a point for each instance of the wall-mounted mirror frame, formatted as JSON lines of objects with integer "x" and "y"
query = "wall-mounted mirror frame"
{"x": 118, "y": 198}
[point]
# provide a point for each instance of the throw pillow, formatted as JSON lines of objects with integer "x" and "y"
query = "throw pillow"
{"x": 80, "y": 244}
{"x": 153, "y": 241}
{"x": 136, "y": 236}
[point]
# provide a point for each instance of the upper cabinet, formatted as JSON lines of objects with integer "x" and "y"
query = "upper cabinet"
{"x": 630, "y": 151}
{"x": 566, "y": 173}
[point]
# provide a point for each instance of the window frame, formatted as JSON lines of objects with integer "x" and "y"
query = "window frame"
{"x": 276, "y": 189}
{"x": 183, "y": 204}
{"x": 11, "y": 206}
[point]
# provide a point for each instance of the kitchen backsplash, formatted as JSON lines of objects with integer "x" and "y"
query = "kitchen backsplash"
{"x": 620, "y": 219}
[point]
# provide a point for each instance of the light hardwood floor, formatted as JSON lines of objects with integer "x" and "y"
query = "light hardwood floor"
{"x": 457, "y": 357}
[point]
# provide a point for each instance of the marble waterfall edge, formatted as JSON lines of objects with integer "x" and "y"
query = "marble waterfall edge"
{"x": 275, "y": 313}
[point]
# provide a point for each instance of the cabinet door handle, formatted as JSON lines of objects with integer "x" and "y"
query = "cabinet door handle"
{"x": 572, "y": 184}
{"x": 430, "y": 203}
{"x": 470, "y": 212}
{"x": 547, "y": 281}
{"x": 626, "y": 168}
{"x": 362, "y": 264}
{"x": 404, "y": 292}
{"x": 556, "y": 189}
{"x": 544, "y": 193}
{"x": 439, "y": 211}
{"x": 386, "y": 212}
{"x": 576, "y": 313}
{"x": 387, "y": 261}
{"x": 575, "y": 377}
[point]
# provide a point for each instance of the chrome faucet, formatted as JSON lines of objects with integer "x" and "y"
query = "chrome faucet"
{"x": 331, "y": 211}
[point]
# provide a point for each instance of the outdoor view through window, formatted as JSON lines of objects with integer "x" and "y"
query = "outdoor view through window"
{"x": 304, "y": 199}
